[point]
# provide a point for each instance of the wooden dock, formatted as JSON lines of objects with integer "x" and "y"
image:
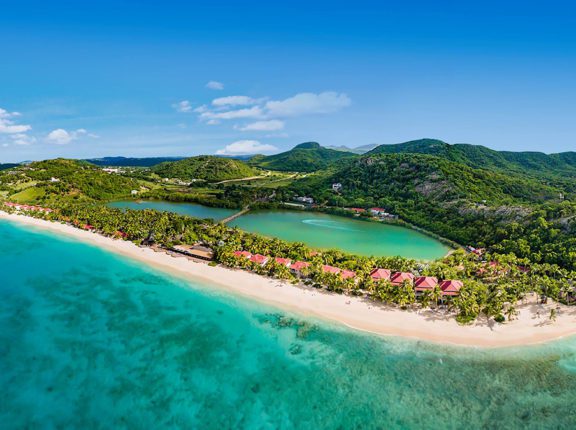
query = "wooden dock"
{"x": 236, "y": 215}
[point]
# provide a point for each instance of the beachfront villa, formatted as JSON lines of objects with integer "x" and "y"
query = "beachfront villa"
{"x": 381, "y": 274}
{"x": 244, "y": 254}
{"x": 399, "y": 278}
{"x": 425, "y": 283}
{"x": 421, "y": 284}
{"x": 21, "y": 207}
{"x": 259, "y": 259}
{"x": 297, "y": 267}
{"x": 450, "y": 287}
{"x": 283, "y": 261}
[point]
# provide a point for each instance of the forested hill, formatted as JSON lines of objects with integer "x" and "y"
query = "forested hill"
{"x": 43, "y": 181}
{"x": 486, "y": 158}
{"x": 206, "y": 167}
{"x": 306, "y": 157}
{"x": 513, "y": 212}
{"x": 7, "y": 166}
{"x": 131, "y": 162}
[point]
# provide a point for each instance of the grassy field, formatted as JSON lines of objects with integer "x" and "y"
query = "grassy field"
{"x": 29, "y": 195}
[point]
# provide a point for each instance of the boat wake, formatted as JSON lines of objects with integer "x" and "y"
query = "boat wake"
{"x": 332, "y": 225}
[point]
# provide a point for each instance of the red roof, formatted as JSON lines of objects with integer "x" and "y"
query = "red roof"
{"x": 423, "y": 283}
{"x": 450, "y": 287}
{"x": 283, "y": 261}
{"x": 380, "y": 274}
{"x": 357, "y": 210}
{"x": 330, "y": 269}
{"x": 259, "y": 259}
{"x": 347, "y": 274}
{"x": 88, "y": 227}
{"x": 299, "y": 265}
{"x": 398, "y": 278}
{"x": 244, "y": 254}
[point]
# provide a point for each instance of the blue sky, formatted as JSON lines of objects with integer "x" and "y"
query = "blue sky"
{"x": 131, "y": 78}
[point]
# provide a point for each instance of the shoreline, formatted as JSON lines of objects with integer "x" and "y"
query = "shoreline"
{"x": 532, "y": 326}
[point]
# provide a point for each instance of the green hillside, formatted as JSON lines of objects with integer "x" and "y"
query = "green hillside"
{"x": 205, "y": 167}
{"x": 473, "y": 206}
{"x": 486, "y": 158}
{"x": 43, "y": 181}
{"x": 306, "y": 157}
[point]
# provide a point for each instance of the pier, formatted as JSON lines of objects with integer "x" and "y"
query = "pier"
{"x": 236, "y": 215}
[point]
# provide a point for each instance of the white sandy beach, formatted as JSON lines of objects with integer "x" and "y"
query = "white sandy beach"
{"x": 530, "y": 327}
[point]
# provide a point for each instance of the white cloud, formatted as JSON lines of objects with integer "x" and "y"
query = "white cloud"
{"x": 7, "y": 125}
{"x": 22, "y": 139}
{"x": 184, "y": 106}
{"x": 63, "y": 137}
{"x": 253, "y": 112}
{"x": 234, "y": 101}
{"x": 215, "y": 85}
{"x": 246, "y": 147}
{"x": 271, "y": 125}
{"x": 201, "y": 109}
{"x": 308, "y": 103}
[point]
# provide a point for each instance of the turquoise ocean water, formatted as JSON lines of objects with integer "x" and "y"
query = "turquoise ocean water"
{"x": 92, "y": 340}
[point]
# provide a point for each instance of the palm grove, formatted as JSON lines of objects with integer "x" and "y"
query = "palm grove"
{"x": 523, "y": 215}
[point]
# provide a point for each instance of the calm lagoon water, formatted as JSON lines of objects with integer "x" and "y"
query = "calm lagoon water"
{"x": 316, "y": 230}
{"x": 189, "y": 209}
{"x": 351, "y": 235}
{"x": 89, "y": 339}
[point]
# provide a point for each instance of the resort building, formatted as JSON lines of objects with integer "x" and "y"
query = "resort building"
{"x": 195, "y": 251}
{"x": 378, "y": 211}
{"x": 298, "y": 267}
{"x": 306, "y": 200}
{"x": 399, "y": 278}
{"x": 380, "y": 274}
{"x": 346, "y": 274}
{"x": 244, "y": 254}
{"x": 283, "y": 261}
{"x": 259, "y": 259}
{"x": 21, "y": 207}
{"x": 450, "y": 287}
{"x": 425, "y": 283}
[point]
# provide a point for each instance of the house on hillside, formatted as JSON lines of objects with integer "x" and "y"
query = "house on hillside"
{"x": 337, "y": 187}
{"x": 305, "y": 200}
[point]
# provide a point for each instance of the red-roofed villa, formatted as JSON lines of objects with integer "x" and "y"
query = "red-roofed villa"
{"x": 283, "y": 261}
{"x": 380, "y": 274}
{"x": 244, "y": 254}
{"x": 398, "y": 278}
{"x": 425, "y": 283}
{"x": 259, "y": 259}
{"x": 450, "y": 287}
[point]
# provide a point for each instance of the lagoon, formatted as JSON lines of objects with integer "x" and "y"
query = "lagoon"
{"x": 315, "y": 229}
{"x": 89, "y": 339}
{"x": 190, "y": 209}
{"x": 347, "y": 234}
